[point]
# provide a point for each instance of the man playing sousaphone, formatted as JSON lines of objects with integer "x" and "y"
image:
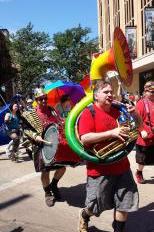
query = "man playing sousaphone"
{"x": 108, "y": 186}
{"x": 39, "y": 120}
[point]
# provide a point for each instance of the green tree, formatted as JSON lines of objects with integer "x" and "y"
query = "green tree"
{"x": 70, "y": 56}
{"x": 29, "y": 50}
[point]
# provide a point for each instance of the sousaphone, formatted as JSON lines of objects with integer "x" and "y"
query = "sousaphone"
{"x": 118, "y": 59}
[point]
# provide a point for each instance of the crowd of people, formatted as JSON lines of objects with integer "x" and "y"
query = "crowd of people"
{"x": 109, "y": 186}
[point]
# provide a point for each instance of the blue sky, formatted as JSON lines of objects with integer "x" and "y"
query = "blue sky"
{"x": 50, "y": 16}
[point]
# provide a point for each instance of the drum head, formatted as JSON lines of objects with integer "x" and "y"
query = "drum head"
{"x": 49, "y": 150}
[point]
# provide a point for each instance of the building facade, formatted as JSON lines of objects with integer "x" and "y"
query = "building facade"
{"x": 136, "y": 19}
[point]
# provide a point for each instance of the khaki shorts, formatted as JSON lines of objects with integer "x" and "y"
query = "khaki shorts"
{"x": 112, "y": 192}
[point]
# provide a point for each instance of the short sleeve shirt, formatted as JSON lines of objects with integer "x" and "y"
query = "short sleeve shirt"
{"x": 101, "y": 121}
{"x": 141, "y": 109}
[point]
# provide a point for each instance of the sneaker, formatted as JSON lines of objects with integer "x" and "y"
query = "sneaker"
{"x": 56, "y": 192}
{"x": 49, "y": 199}
{"x": 83, "y": 223}
{"x": 139, "y": 178}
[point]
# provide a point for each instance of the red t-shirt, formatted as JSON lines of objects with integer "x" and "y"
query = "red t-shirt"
{"x": 64, "y": 152}
{"x": 101, "y": 121}
{"x": 141, "y": 109}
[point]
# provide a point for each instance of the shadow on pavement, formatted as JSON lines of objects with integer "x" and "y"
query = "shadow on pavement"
{"x": 150, "y": 181}
{"x": 14, "y": 201}
{"x": 95, "y": 229}
{"x": 20, "y": 160}
{"x": 74, "y": 195}
{"x": 142, "y": 220}
{"x": 25, "y": 158}
{"x": 19, "y": 229}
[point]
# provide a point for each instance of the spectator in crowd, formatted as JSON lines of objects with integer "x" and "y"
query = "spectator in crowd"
{"x": 29, "y": 103}
{"x": 12, "y": 120}
{"x": 132, "y": 98}
{"x": 64, "y": 106}
{"x": 145, "y": 141}
{"x": 137, "y": 97}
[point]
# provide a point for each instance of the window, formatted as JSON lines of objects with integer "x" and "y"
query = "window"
{"x": 144, "y": 4}
{"x": 129, "y": 12}
{"x": 116, "y": 13}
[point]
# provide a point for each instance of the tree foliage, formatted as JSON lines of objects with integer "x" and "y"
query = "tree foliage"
{"x": 29, "y": 50}
{"x": 70, "y": 56}
{"x": 66, "y": 56}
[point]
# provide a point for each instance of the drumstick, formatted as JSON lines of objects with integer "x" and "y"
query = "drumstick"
{"x": 46, "y": 142}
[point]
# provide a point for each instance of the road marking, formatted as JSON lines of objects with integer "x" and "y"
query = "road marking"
{"x": 17, "y": 181}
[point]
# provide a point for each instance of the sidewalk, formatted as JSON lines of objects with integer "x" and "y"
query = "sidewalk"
{"x": 22, "y": 206}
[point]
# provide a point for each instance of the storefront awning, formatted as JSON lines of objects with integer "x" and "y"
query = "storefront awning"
{"x": 143, "y": 63}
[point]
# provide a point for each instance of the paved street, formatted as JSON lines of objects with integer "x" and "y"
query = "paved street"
{"x": 22, "y": 206}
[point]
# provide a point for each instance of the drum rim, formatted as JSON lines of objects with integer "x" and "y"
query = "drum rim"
{"x": 43, "y": 156}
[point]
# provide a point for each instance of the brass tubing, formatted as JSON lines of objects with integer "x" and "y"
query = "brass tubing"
{"x": 115, "y": 145}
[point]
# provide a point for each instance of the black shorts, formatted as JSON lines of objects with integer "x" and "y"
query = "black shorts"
{"x": 145, "y": 155}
